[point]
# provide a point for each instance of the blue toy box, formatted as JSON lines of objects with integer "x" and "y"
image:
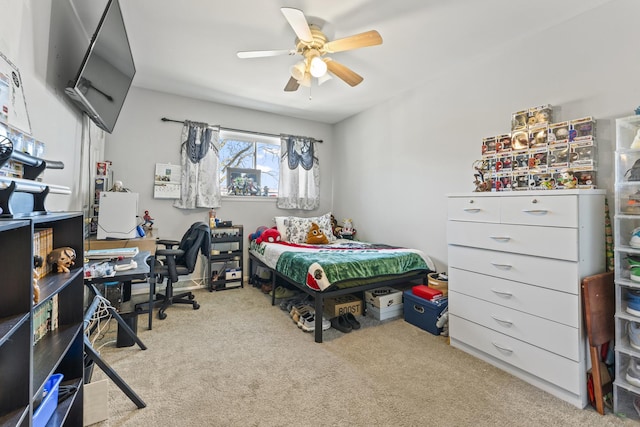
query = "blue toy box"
{"x": 422, "y": 313}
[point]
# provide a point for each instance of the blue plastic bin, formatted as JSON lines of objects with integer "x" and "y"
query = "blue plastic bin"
{"x": 50, "y": 402}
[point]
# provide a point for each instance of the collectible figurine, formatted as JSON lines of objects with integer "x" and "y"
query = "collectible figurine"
{"x": 148, "y": 221}
{"x": 37, "y": 262}
{"x": 62, "y": 259}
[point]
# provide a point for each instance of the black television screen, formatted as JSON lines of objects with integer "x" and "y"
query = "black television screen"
{"x": 106, "y": 72}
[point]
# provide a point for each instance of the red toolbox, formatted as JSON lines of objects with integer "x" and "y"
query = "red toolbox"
{"x": 426, "y": 292}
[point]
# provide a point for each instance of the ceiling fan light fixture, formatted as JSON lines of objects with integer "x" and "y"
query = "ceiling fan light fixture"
{"x": 298, "y": 71}
{"x": 306, "y": 80}
{"x": 317, "y": 68}
{"x": 324, "y": 78}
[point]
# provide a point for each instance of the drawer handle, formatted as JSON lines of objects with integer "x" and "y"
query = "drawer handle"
{"x": 499, "y": 347}
{"x": 536, "y": 211}
{"x": 472, "y": 210}
{"x": 502, "y": 266}
{"x": 500, "y": 238}
{"x": 503, "y": 293}
{"x": 418, "y": 308}
{"x": 504, "y": 322}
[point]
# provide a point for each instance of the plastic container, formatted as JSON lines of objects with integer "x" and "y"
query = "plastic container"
{"x": 50, "y": 402}
{"x": 422, "y": 313}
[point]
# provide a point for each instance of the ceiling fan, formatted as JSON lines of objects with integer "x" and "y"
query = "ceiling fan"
{"x": 313, "y": 46}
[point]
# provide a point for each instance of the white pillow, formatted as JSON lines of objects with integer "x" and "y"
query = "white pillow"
{"x": 281, "y": 225}
{"x": 297, "y": 227}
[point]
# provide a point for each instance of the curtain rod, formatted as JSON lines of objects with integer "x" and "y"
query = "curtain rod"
{"x": 164, "y": 119}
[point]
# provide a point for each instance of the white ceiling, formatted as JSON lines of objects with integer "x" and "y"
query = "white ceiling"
{"x": 188, "y": 47}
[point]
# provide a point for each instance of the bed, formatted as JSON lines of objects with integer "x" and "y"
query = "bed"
{"x": 339, "y": 268}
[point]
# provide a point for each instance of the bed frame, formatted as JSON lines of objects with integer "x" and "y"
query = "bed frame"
{"x": 320, "y": 296}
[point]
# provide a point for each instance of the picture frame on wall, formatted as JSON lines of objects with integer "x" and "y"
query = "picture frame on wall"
{"x": 243, "y": 182}
{"x": 13, "y": 106}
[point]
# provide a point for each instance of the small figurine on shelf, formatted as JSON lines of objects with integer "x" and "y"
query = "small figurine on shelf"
{"x": 37, "y": 262}
{"x": 148, "y": 221}
{"x": 62, "y": 259}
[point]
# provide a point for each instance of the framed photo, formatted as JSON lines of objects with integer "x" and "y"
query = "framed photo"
{"x": 243, "y": 182}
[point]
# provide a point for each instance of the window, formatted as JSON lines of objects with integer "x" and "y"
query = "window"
{"x": 249, "y": 164}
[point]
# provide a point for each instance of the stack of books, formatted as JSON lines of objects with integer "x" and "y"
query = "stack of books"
{"x": 45, "y": 318}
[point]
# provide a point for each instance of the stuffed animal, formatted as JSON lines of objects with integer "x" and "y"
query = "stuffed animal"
{"x": 270, "y": 235}
{"x": 315, "y": 236}
{"x": 257, "y": 233}
{"x": 62, "y": 259}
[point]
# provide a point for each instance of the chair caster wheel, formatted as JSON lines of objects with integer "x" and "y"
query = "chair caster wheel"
{"x": 196, "y": 306}
{"x": 191, "y": 296}
{"x": 162, "y": 315}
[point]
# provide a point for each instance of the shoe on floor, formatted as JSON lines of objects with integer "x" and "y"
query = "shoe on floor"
{"x": 309, "y": 323}
{"x": 351, "y": 319}
{"x": 633, "y": 301}
{"x": 634, "y": 335}
{"x": 633, "y": 373}
{"x": 341, "y": 324}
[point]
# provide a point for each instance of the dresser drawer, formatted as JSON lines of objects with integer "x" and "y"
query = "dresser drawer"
{"x": 557, "y": 306}
{"x": 519, "y": 239}
{"x": 553, "y": 211}
{"x": 477, "y": 209}
{"x": 550, "y": 367}
{"x": 548, "y": 273}
{"x": 554, "y": 337}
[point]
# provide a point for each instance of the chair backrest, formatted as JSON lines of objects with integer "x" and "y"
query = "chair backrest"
{"x": 196, "y": 239}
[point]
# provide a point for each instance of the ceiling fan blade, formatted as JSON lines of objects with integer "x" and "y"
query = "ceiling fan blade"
{"x": 349, "y": 76}
{"x": 298, "y": 22}
{"x": 292, "y": 85}
{"x": 264, "y": 53}
{"x": 368, "y": 38}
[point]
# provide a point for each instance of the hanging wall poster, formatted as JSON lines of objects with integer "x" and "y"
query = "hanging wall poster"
{"x": 167, "y": 181}
{"x": 12, "y": 102}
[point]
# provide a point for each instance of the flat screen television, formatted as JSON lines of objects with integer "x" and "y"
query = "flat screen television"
{"x": 106, "y": 72}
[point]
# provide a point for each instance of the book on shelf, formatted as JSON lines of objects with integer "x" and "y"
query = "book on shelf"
{"x": 45, "y": 318}
{"x": 42, "y": 246}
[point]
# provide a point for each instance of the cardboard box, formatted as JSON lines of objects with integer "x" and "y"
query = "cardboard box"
{"x": 233, "y": 274}
{"x": 95, "y": 399}
{"x": 384, "y": 313}
{"x": 334, "y": 307}
{"x": 383, "y": 297}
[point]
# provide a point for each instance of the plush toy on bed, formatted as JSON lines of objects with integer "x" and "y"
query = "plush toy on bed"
{"x": 258, "y": 232}
{"x": 315, "y": 236}
{"x": 270, "y": 235}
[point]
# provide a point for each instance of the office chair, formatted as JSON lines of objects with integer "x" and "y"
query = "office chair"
{"x": 172, "y": 263}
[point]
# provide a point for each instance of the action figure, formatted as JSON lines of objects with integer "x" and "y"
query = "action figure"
{"x": 148, "y": 221}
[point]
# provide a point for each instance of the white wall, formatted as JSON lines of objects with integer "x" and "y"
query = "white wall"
{"x": 140, "y": 140}
{"x": 395, "y": 163}
{"x": 24, "y": 39}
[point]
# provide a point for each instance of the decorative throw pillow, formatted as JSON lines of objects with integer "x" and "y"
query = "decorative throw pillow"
{"x": 297, "y": 227}
{"x": 281, "y": 226}
{"x": 315, "y": 236}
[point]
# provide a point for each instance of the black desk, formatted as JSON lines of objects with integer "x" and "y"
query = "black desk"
{"x": 143, "y": 260}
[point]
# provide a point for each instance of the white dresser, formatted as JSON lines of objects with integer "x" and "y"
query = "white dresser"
{"x": 516, "y": 260}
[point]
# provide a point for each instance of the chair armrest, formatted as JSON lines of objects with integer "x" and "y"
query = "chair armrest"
{"x": 170, "y": 252}
{"x": 167, "y": 243}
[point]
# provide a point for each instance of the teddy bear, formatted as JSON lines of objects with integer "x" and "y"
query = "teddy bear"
{"x": 62, "y": 259}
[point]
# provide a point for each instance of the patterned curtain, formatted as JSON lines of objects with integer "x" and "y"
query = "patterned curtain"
{"x": 199, "y": 159}
{"x": 299, "y": 186}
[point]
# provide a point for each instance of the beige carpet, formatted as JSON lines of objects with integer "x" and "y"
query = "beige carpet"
{"x": 238, "y": 361}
